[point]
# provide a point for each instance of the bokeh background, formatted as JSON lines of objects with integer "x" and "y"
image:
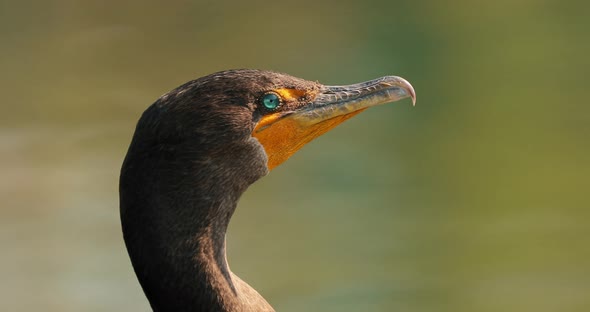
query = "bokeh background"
{"x": 477, "y": 199}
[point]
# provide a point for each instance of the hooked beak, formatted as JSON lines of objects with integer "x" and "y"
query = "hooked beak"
{"x": 285, "y": 133}
{"x": 334, "y": 101}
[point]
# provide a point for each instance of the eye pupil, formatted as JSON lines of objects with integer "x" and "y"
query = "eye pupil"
{"x": 270, "y": 101}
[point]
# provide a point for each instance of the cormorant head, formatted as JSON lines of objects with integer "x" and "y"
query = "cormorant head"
{"x": 279, "y": 111}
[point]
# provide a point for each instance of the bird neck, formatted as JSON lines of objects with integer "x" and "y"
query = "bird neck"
{"x": 174, "y": 218}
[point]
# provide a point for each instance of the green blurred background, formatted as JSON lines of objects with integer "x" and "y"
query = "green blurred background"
{"x": 477, "y": 199}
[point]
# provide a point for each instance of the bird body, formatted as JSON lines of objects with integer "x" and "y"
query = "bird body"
{"x": 193, "y": 154}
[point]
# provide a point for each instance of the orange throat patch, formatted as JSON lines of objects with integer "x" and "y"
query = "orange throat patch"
{"x": 282, "y": 137}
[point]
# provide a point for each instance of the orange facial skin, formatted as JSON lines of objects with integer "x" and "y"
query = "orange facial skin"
{"x": 281, "y": 138}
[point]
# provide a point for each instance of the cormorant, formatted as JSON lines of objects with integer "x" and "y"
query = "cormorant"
{"x": 195, "y": 151}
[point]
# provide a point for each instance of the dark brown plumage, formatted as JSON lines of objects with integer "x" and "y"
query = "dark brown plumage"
{"x": 195, "y": 151}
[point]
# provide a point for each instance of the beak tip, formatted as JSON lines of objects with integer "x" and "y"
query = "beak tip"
{"x": 409, "y": 89}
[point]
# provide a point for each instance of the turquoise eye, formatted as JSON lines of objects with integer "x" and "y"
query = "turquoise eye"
{"x": 270, "y": 100}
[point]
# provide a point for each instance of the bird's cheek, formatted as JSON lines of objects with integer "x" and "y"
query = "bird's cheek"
{"x": 282, "y": 137}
